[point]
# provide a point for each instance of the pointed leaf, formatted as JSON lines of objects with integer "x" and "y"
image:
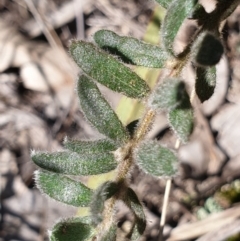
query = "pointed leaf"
{"x": 110, "y": 235}
{"x": 74, "y": 164}
{"x": 181, "y": 121}
{"x": 107, "y": 70}
{"x": 137, "y": 208}
{"x": 104, "y": 192}
{"x": 176, "y": 14}
{"x": 205, "y": 82}
{"x": 168, "y": 95}
{"x": 99, "y": 113}
{"x": 164, "y": 3}
{"x": 90, "y": 147}
{"x": 72, "y": 229}
{"x": 131, "y": 50}
{"x": 156, "y": 159}
{"x": 63, "y": 189}
{"x": 207, "y": 49}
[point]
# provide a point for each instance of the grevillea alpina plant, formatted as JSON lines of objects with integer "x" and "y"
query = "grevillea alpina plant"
{"x": 120, "y": 150}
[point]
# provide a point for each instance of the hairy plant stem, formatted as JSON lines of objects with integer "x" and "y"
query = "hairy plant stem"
{"x": 126, "y": 160}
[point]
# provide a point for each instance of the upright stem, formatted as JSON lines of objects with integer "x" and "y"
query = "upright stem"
{"x": 144, "y": 126}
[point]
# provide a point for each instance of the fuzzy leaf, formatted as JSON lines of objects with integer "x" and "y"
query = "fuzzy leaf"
{"x": 164, "y": 3}
{"x": 176, "y": 14}
{"x": 99, "y": 113}
{"x": 131, "y": 50}
{"x": 71, "y": 163}
{"x": 90, "y": 147}
{"x": 156, "y": 159}
{"x": 137, "y": 208}
{"x": 104, "y": 192}
{"x": 72, "y": 229}
{"x": 205, "y": 82}
{"x": 63, "y": 189}
{"x": 181, "y": 121}
{"x": 207, "y": 49}
{"x": 168, "y": 95}
{"x": 107, "y": 70}
{"x": 110, "y": 235}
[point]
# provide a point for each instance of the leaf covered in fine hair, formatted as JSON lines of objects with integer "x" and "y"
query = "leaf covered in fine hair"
{"x": 177, "y": 12}
{"x": 63, "y": 189}
{"x": 72, "y": 229}
{"x": 103, "y": 193}
{"x": 70, "y": 163}
{"x": 90, "y": 147}
{"x": 131, "y": 50}
{"x": 168, "y": 94}
{"x": 156, "y": 160}
{"x": 98, "y": 112}
{"x": 107, "y": 70}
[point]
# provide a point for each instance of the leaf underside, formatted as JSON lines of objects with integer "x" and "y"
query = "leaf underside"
{"x": 131, "y": 50}
{"x": 103, "y": 193}
{"x": 137, "y": 208}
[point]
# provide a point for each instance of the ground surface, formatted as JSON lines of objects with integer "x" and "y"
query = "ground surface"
{"x": 39, "y": 107}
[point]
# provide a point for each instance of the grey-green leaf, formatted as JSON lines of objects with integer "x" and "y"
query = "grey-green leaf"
{"x": 104, "y": 192}
{"x": 181, "y": 121}
{"x": 72, "y": 229}
{"x": 90, "y": 147}
{"x": 98, "y": 112}
{"x": 168, "y": 95}
{"x": 164, "y": 3}
{"x": 111, "y": 234}
{"x": 205, "y": 82}
{"x": 131, "y": 50}
{"x": 63, "y": 189}
{"x": 156, "y": 160}
{"x": 177, "y": 12}
{"x": 137, "y": 208}
{"x": 107, "y": 70}
{"x": 207, "y": 49}
{"x": 71, "y": 163}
